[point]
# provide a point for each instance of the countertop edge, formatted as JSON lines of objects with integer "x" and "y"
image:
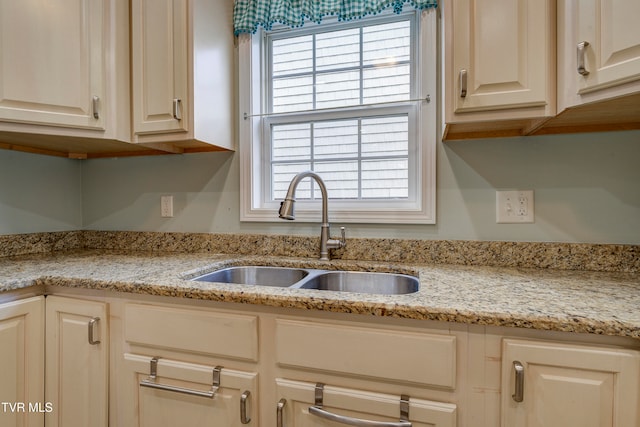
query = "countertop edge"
{"x": 568, "y": 301}
{"x": 318, "y": 303}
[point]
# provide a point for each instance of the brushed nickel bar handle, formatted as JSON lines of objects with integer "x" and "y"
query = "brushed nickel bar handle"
{"x": 463, "y": 83}
{"x": 279, "y": 409}
{"x": 243, "y": 407}
{"x": 582, "y": 70}
{"x": 153, "y": 375}
{"x": 91, "y": 326}
{"x": 95, "y": 105}
{"x": 177, "y": 113}
{"x": 149, "y": 383}
{"x": 355, "y": 422}
{"x": 518, "y": 396}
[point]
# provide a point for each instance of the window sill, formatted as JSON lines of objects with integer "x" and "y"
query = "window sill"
{"x": 344, "y": 216}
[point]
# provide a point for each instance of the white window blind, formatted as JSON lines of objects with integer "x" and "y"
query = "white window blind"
{"x": 365, "y": 65}
{"x": 358, "y": 157}
{"x": 361, "y": 158}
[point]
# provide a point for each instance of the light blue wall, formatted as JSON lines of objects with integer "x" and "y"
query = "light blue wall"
{"x": 587, "y": 189}
{"x": 124, "y": 193}
{"x": 39, "y": 193}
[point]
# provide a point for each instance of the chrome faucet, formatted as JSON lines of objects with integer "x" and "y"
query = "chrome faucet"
{"x": 286, "y": 212}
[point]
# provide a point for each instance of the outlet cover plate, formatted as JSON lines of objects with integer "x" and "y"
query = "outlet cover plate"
{"x": 166, "y": 206}
{"x": 514, "y": 207}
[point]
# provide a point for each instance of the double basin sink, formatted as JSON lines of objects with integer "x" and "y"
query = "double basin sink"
{"x": 308, "y": 278}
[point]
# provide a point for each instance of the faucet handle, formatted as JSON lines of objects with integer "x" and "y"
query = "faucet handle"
{"x": 335, "y": 243}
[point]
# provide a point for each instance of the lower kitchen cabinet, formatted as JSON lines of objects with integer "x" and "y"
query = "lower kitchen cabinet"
{"x": 176, "y": 366}
{"x": 557, "y": 385}
{"x": 450, "y": 374}
{"x": 158, "y": 361}
{"x": 22, "y": 362}
{"x": 77, "y": 362}
{"x": 304, "y": 404}
{"x": 174, "y": 393}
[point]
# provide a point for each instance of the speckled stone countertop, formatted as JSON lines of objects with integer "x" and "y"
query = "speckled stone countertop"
{"x": 593, "y": 302}
{"x": 545, "y": 255}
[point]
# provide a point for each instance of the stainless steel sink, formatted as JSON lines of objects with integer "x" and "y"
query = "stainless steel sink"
{"x": 254, "y": 275}
{"x": 309, "y": 278}
{"x": 363, "y": 282}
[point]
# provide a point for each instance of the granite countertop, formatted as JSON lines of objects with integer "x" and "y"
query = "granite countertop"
{"x": 606, "y": 303}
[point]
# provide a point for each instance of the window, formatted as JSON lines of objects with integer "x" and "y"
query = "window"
{"x": 347, "y": 100}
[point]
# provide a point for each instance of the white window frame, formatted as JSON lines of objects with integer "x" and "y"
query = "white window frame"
{"x": 420, "y": 208}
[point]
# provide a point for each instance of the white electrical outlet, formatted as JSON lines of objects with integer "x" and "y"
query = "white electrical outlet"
{"x": 514, "y": 207}
{"x": 166, "y": 206}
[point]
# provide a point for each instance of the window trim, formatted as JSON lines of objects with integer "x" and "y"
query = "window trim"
{"x": 252, "y": 102}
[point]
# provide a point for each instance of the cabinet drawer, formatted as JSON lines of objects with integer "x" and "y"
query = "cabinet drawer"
{"x": 359, "y": 407}
{"x": 186, "y": 394}
{"x": 192, "y": 330}
{"x": 390, "y": 354}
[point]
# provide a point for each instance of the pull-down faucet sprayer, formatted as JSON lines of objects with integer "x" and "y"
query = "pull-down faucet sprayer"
{"x": 287, "y": 212}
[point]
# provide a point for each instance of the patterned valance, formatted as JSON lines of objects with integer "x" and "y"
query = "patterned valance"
{"x": 249, "y": 14}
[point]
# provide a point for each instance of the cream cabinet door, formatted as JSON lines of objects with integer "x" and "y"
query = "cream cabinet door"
{"x": 599, "y": 55}
{"x": 159, "y": 66}
{"x": 341, "y": 406}
{"x": 499, "y": 57}
{"x": 77, "y": 364}
{"x": 22, "y": 362}
{"x": 52, "y": 62}
{"x": 183, "y": 394}
{"x": 569, "y": 385}
{"x": 611, "y": 54}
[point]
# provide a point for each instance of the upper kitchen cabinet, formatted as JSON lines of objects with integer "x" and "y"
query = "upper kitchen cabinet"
{"x": 598, "y": 65}
{"x": 95, "y": 78}
{"x": 63, "y": 67}
{"x": 499, "y": 66}
{"x": 182, "y": 74}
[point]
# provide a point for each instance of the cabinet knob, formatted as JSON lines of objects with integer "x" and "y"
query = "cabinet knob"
{"x": 177, "y": 112}
{"x": 91, "y": 326}
{"x": 95, "y": 104}
{"x": 463, "y": 83}
{"x": 279, "y": 414}
{"x": 244, "y": 419}
{"x": 518, "y": 396}
{"x": 582, "y": 70}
